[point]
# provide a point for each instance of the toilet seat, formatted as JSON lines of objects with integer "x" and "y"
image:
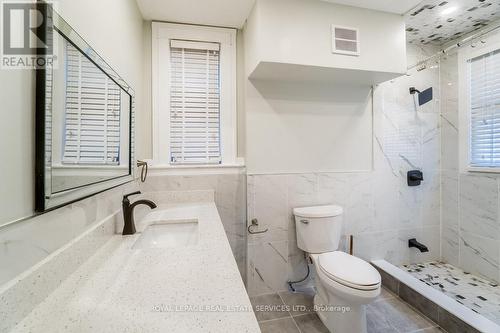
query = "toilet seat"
{"x": 349, "y": 271}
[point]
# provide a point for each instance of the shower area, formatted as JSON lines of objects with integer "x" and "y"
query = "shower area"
{"x": 454, "y": 141}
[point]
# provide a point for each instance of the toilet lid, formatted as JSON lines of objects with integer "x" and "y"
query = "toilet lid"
{"x": 349, "y": 270}
{"x": 318, "y": 211}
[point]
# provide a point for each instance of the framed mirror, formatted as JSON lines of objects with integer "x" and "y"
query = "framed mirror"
{"x": 84, "y": 121}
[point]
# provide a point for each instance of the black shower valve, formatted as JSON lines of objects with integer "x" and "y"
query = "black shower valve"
{"x": 415, "y": 177}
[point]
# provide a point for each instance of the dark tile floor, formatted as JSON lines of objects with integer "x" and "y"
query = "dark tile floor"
{"x": 286, "y": 312}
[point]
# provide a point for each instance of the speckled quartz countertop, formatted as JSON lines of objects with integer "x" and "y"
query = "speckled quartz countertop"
{"x": 123, "y": 289}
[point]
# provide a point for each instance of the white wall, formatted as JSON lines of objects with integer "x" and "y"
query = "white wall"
{"x": 298, "y": 128}
{"x": 240, "y": 94}
{"x": 114, "y": 28}
{"x": 17, "y": 129}
{"x": 145, "y": 128}
{"x": 299, "y": 32}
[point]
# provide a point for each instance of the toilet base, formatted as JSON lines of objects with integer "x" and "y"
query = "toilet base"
{"x": 339, "y": 316}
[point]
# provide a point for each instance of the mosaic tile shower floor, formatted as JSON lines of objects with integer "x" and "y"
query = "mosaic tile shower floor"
{"x": 478, "y": 294}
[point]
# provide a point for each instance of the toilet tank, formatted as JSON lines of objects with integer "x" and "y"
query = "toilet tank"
{"x": 318, "y": 228}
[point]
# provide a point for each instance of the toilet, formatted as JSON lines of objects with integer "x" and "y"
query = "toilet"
{"x": 344, "y": 284}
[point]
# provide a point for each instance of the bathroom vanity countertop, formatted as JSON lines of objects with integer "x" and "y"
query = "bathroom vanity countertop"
{"x": 122, "y": 289}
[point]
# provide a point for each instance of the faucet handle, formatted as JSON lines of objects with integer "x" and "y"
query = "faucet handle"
{"x": 133, "y": 193}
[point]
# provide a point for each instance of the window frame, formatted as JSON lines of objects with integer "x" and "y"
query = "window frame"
{"x": 464, "y": 116}
{"x": 162, "y": 33}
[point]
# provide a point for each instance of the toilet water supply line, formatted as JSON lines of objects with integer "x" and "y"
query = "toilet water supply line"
{"x": 291, "y": 283}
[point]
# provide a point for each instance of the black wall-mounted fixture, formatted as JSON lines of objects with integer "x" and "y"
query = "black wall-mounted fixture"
{"x": 414, "y": 90}
{"x": 414, "y": 177}
{"x": 423, "y": 96}
{"x": 421, "y": 247}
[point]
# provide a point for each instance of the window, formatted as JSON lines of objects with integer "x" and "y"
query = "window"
{"x": 484, "y": 108}
{"x": 92, "y": 113}
{"x": 194, "y": 102}
{"x": 194, "y": 95}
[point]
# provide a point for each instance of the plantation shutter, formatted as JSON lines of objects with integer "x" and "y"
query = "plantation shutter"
{"x": 485, "y": 110}
{"x": 92, "y": 117}
{"x": 194, "y": 103}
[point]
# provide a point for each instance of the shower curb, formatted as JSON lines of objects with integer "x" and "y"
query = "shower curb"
{"x": 434, "y": 305}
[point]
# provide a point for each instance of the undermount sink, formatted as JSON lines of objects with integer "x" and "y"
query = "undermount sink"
{"x": 169, "y": 234}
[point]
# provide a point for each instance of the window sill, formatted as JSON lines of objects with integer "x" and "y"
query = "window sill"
{"x": 186, "y": 170}
{"x": 90, "y": 166}
{"x": 483, "y": 170}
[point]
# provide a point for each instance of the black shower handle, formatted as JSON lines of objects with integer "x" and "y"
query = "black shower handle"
{"x": 415, "y": 177}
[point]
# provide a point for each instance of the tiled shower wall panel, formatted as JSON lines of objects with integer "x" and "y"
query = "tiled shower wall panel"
{"x": 470, "y": 201}
{"x": 380, "y": 210}
{"x": 230, "y": 199}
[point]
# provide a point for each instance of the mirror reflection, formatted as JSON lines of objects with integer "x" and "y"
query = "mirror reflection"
{"x": 89, "y": 122}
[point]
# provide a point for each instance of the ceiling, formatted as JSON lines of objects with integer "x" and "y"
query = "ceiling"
{"x": 233, "y": 13}
{"x": 427, "y": 21}
{"x": 391, "y": 6}
{"x": 441, "y": 21}
{"x": 226, "y": 13}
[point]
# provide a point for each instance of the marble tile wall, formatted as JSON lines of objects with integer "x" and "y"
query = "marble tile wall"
{"x": 381, "y": 211}
{"x": 28, "y": 242}
{"x": 469, "y": 202}
{"x": 230, "y": 199}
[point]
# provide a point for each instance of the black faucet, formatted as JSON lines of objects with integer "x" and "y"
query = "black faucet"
{"x": 413, "y": 243}
{"x": 128, "y": 212}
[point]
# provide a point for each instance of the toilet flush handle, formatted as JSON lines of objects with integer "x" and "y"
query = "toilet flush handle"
{"x": 305, "y": 221}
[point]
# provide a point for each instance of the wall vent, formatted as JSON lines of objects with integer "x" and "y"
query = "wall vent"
{"x": 345, "y": 40}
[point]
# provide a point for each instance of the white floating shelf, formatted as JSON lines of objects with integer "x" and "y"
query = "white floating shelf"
{"x": 276, "y": 71}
